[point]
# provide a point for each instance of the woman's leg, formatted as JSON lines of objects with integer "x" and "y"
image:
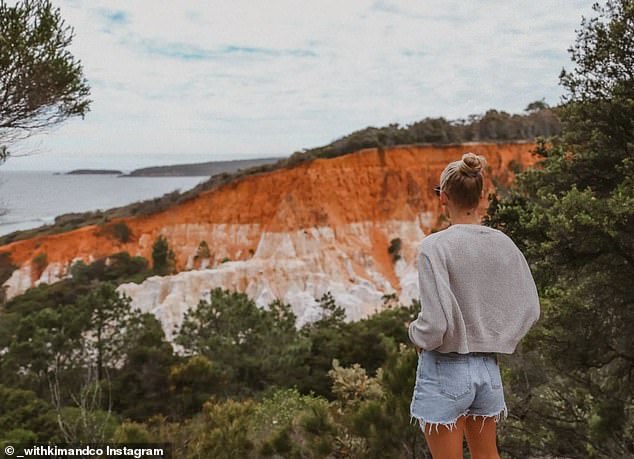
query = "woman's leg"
{"x": 481, "y": 438}
{"x": 444, "y": 443}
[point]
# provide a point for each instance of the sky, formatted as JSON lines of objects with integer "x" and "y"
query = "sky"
{"x": 185, "y": 81}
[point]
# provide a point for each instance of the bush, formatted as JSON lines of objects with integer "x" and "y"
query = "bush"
{"x": 163, "y": 258}
{"x": 119, "y": 268}
{"x": 395, "y": 249}
{"x": 224, "y": 432}
{"x": 120, "y": 231}
{"x": 25, "y": 416}
{"x": 131, "y": 432}
{"x": 193, "y": 382}
{"x": 40, "y": 261}
{"x": 6, "y": 267}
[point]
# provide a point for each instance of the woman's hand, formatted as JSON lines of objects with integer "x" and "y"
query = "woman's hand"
{"x": 418, "y": 349}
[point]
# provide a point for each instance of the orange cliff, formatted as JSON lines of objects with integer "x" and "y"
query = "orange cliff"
{"x": 350, "y": 206}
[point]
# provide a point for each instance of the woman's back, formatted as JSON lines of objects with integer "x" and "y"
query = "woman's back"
{"x": 484, "y": 300}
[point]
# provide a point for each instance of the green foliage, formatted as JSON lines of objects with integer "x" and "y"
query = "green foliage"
{"x": 319, "y": 428}
{"x": 311, "y": 432}
{"x": 395, "y": 249}
{"x": 225, "y": 427}
{"x": 24, "y": 416}
{"x": 87, "y": 426}
{"x": 37, "y": 335}
{"x": 331, "y": 312}
{"x": 353, "y": 385}
{"x": 365, "y": 342}
{"x": 4, "y": 154}
{"x": 193, "y": 382}
{"x": 60, "y": 328}
{"x": 538, "y": 121}
{"x": 183, "y": 435}
{"x": 110, "y": 313}
{"x": 43, "y": 84}
{"x": 385, "y": 424}
{"x": 6, "y": 267}
{"x": 16, "y": 437}
{"x": 536, "y": 106}
{"x": 131, "y": 432}
{"x": 163, "y": 258}
{"x": 573, "y": 216}
{"x": 40, "y": 261}
{"x": 278, "y": 410}
{"x": 77, "y": 344}
{"x": 141, "y": 382}
{"x": 118, "y": 268}
{"x": 119, "y": 231}
{"x": 6, "y": 270}
{"x": 292, "y": 425}
{"x": 255, "y": 347}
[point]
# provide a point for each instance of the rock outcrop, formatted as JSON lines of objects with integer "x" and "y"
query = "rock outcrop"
{"x": 293, "y": 234}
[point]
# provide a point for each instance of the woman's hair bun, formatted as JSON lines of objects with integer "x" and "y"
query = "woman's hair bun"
{"x": 472, "y": 164}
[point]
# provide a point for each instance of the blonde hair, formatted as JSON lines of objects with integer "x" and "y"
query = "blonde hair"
{"x": 462, "y": 180}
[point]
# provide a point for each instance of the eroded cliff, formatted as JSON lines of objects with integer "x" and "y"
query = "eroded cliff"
{"x": 291, "y": 233}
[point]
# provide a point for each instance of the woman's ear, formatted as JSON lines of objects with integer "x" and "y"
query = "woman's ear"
{"x": 443, "y": 198}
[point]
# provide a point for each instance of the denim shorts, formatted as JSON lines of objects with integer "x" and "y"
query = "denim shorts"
{"x": 450, "y": 385}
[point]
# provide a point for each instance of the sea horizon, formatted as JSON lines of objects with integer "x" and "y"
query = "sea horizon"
{"x": 33, "y": 198}
{"x": 48, "y": 162}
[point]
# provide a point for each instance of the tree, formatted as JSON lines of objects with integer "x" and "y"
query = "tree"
{"x": 254, "y": 347}
{"x": 395, "y": 249}
{"x": 141, "y": 383}
{"x": 110, "y": 315}
{"x": 22, "y": 409}
{"x": 192, "y": 383}
{"x": 536, "y": 106}
{"x": 41, "y": 82}
{"x": 573, "y": 216}
{"x": 163, "y": 258}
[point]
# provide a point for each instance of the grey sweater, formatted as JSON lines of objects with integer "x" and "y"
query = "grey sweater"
{"x": 476, "y": 290}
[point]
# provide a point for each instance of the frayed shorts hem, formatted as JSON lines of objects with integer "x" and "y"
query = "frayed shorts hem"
{"x": 453, "y": 424}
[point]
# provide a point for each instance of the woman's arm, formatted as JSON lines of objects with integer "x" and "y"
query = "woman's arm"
{"x": 428, "y": 330}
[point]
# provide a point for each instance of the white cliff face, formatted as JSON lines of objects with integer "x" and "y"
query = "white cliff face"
{"x": 298, "y": 268}
{"x": 22, "y": 279}
{"x": 350, "y": 260}
{"x": 19, "y": 281}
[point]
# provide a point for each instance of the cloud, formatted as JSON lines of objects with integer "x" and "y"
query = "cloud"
{"x": 238, "y": 78}
{"x": 187, "y": 51}
{"x": 115, "y": 17}
{"x": 384, "y": 6}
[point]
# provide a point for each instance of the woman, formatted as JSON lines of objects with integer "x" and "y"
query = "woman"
{"x": 478, "y": 298}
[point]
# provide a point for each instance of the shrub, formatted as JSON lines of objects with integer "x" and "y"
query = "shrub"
{"x": 40, "y": 261}
{"x": 131, "y": 432}
{"x": 163, "y": 258}
{"x": 395, "y": 249}
{"x": 121, "y": 231}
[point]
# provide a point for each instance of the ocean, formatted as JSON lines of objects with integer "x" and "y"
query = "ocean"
{"x": 29, "y": 199}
